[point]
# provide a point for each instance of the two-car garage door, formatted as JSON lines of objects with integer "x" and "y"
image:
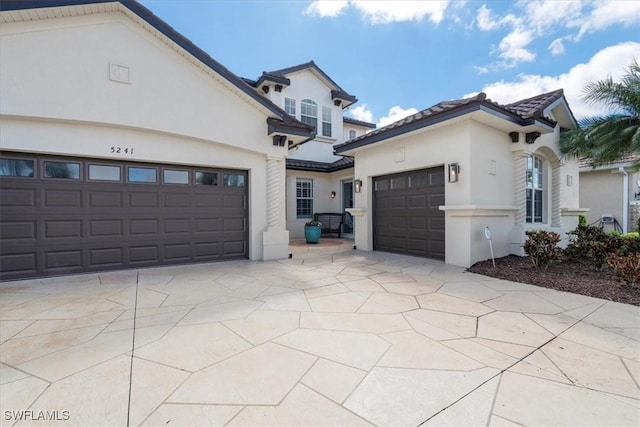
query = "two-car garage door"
{"x": 406, "y": 216}
{"x": 69, "y": 215}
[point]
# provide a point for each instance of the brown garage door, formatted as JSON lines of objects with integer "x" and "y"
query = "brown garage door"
{"x": 406, "y": 218}
{"x": 70, "y": 215}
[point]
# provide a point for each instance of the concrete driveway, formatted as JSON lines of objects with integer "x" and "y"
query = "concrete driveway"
{"x": 332, "y": 336}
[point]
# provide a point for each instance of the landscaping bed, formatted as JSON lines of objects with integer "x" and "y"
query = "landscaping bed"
{"x": 568, "y": 276}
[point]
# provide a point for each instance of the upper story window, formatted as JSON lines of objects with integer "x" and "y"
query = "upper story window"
{"x": 290, "y": 106}
{"x": 352, "y": 134}
{"x": 326, "y": 121}
{"x": 309, "y": 112}
{"x": 535, "y": 190}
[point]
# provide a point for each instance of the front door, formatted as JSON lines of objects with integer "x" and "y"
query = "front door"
{"x": 347, "y": 202}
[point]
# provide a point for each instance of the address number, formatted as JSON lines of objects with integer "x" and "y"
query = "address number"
{"x": 122, "y": 150}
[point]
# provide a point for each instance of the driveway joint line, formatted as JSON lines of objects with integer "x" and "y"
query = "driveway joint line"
{"x": 133, "y": 348}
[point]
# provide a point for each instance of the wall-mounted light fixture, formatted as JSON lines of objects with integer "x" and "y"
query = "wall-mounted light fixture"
{"x": 358, "y": 185}
{"x": 333, "y": 194}
{"x": 454, "y": 171}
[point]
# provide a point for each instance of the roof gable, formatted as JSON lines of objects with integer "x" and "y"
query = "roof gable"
{"x": 282, "y": 122}
{"x": 281, "y": 77}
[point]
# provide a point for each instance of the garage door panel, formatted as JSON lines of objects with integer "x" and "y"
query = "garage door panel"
{"x": 143, "y": 226}
{"x": 204, "y": 225}
{"x": 177, "y": 252}
{"x": 436, "y": 178}
{"x": 177, "y": 201}
{"x": 144, "y": 254}
{"x": 145, "y": 199}
{"x": 25, "y": 263}
{"x": 177, "y": 225}
{"x": 18, "y": 230}
{"x": 207, "y": 250}
{"x": 106, "y": 256}
{"x": 234, "y": 248}
{"x": 63, "y": 198}
{"x": 407, "y": 219}
{"x": 436, "y": 200}
{"x": 58, "y": 226}
{"x": 206, "y": 200}
{"x": 63, "y": 259}
{"x": 397, "y": 202}
{"x": 105, "y": 227}
{"x": 57, "y": 229}
{"x": 17, "y": 197}
{"x": 106, "y": 199}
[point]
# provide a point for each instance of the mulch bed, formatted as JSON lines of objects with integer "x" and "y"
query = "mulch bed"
{"x": 565, "y": 276}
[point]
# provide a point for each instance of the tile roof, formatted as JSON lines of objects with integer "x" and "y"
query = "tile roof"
{"x": 534, "y": 106}
{"x": 312, "y": 166}
{"x": 523, "y": 112}
{"x": 358, "y": 122}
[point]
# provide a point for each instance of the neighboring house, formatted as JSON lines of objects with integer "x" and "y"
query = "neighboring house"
{"x": 432, "y": 182}
{"x": 125, "y": 145}
{"x": 317, "y": 179}
{"x": 611, "y": 192}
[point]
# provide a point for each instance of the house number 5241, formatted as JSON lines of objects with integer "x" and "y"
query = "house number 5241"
{"x": 122, "y": 150}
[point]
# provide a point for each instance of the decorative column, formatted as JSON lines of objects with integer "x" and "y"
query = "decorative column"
{"x": 556, "y": 169}
{"x": 519, "y": 185}
{"x": 273, "y": 192}
{"x": 275, "y": 238}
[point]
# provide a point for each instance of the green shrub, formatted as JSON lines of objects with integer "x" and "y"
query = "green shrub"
{"x": 591, "y": 244}
{"x": 582, "y": 220}
{"x": 542, "y": 247}
{"x": 627, "y": 267}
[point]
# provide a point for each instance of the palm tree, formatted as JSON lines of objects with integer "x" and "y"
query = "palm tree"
{"x": 608, "y": 138}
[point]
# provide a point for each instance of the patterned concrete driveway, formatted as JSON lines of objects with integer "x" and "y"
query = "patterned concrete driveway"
{"x": 332, "y": 336}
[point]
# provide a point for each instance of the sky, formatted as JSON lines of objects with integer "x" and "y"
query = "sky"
{"x": 400, "y": 57}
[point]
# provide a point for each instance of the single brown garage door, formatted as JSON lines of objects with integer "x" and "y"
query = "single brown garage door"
{"x": 70, "y": 215}
{"x": 406, "y": 218}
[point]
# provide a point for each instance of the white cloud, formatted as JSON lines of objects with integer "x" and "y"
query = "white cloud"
{"x": 541, "y": 18}
{"x": 383, "y": 12}
{"x": 608, "y": 13}
{"x": 395, "y": 113}
{"x": 612, "y": 61}
{"x": 362, "y": 113}
{"x": 557, "y": 47}
{"x": 513, "y": 50}
{"x": 326, "y": 8}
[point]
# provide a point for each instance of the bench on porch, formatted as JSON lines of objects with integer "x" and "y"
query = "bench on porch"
{"x": 331, "y": 222}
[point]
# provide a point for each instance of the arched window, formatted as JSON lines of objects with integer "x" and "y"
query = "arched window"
{"x": 535, "y": 190}
{"x": 352, "y": 134}
{"x": 309, "y": 112}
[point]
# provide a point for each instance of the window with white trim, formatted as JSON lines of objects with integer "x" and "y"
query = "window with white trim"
{"x": 352, "y": 134}
{"x": 304, "y": 198}
{"x": 309, "y": 112}
{"x": 290, "y": 106}
{"x": 535, "y": 190}
{"x": 326, "y": 121}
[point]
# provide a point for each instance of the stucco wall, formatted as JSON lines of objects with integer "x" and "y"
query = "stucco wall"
{"x": 602, "y": 192}
{"x": 58, "y": 98}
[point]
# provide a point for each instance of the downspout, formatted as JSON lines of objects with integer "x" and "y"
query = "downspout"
{"x": 625, "y": 199}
